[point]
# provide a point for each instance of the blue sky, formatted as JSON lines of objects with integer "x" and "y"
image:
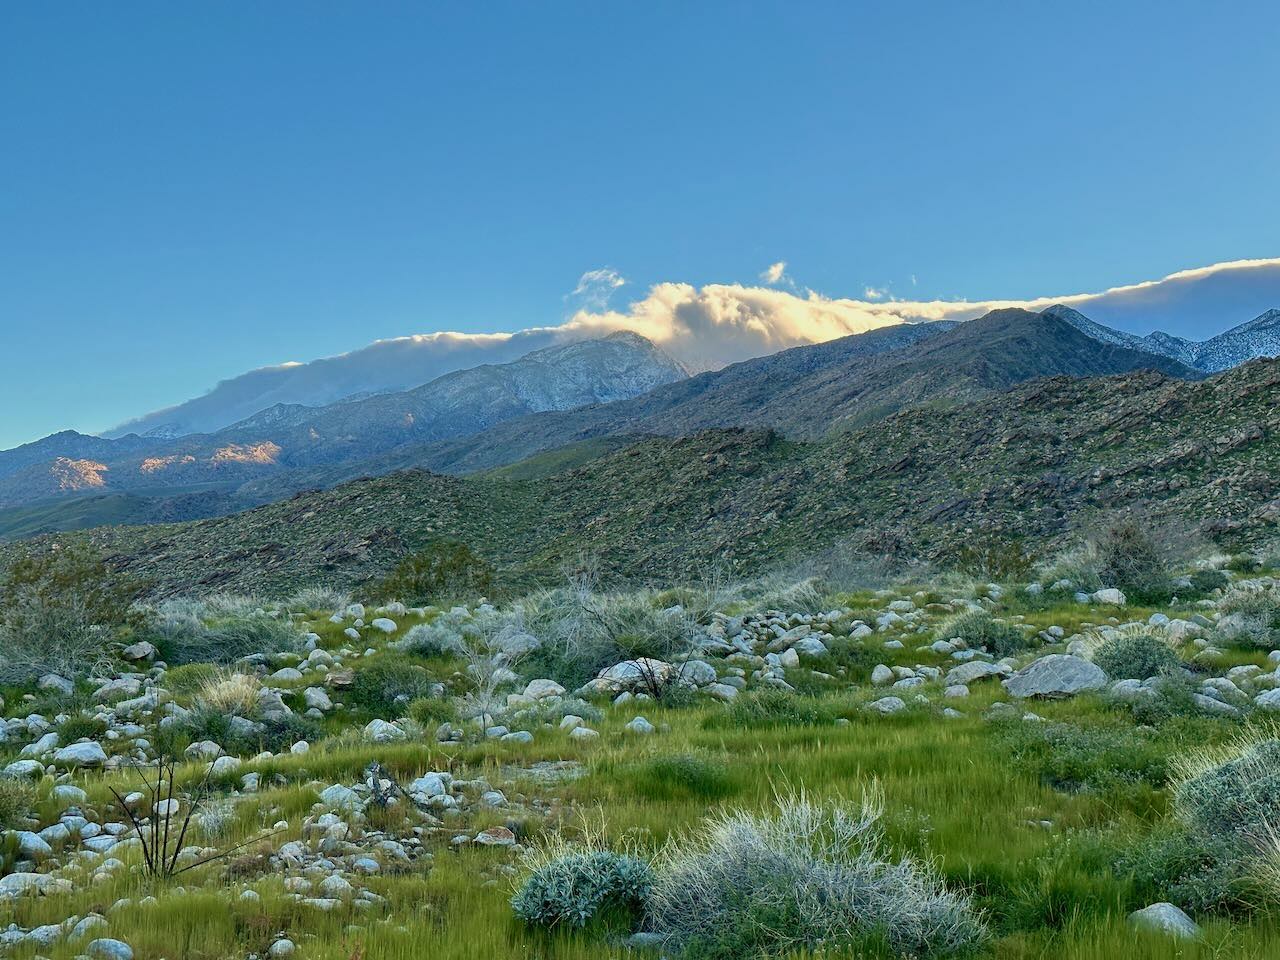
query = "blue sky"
{"x": 193, "y": 190}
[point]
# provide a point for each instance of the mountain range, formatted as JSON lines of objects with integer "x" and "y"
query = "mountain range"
{"x": 1047, "y": 457}
{"x": 584, "y": 399}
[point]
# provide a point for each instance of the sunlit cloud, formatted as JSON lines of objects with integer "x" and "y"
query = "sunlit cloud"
{"x": 704, "y": 327}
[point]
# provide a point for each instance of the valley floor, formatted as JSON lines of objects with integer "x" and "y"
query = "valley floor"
{"x": 1035, "y": 829}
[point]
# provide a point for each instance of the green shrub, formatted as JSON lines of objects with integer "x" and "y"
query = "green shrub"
{"x": 979, "y": 629}
{"x": 577, "y": 888}
{"x": 1215, "y": 854}
{"x": 276, "y": 734}
{"x": 1251, "y": 617}
{"x": 1174, "y": 700}
{"x": 232, "y": 640}
{"x": 1136, "y": 655}
{"x": 680, "y": 777}
{"x": 443, "y": 637}
{"x": 438, "y": 573}
{"x": 388, "y": 685}
{"x": 1204, "y": 582}
{"x": 17, "y": 797}
{"x": 1130, "y": 558}
{"x": 1235, "y": 803}
{"x": 81, "y": 726}
{"x": 432, "y": 711}
{"x": 1070, "y": 757}
{"x": 774, "y": 708}
{"x": 59, "y": 608}
{"x": 994, "y": 556}
{"x": 810, "y": 878}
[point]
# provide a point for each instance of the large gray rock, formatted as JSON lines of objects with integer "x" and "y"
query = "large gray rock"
{"x": 1054, "y": 676}
{"x": 967, "y": 673}
{"x": 87, "y": 754}
{"x": 1165, "y": 918}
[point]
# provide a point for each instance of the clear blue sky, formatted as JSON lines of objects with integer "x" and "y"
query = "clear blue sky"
{"x": 191, "y": 190}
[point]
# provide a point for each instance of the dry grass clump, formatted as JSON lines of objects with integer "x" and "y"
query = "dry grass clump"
{"x": 231, "y": 693}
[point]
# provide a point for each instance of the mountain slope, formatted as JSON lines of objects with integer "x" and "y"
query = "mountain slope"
{"x": 1036, "y": 462}
{"x": 1259, "y": 337}
{"x": 288, "y": 437}
{"x": 808, "y": 391}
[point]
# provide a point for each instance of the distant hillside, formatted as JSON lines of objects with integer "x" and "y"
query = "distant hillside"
{"x": 285, "y": 438}
{"x": 1037, "y": 461}
{"x": 1260, "y": 337}
{"x": 809, "y": 391}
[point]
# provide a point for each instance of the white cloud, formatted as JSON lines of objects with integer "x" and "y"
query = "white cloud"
{"x": 704, "y": 327}
{"x": 596, "y": 287}
{"x": 774, "y": 273}
{"x": 871, "y": 293}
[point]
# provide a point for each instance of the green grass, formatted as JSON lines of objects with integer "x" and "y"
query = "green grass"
{"x": 1029, "y": 818}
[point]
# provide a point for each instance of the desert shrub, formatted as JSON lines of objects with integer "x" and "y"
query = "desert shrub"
{"x": 1251, "y": 617}
{"x": 432, "y": 711}
{"x": 318, "y": 600}
{"x": 1174, "y": 699}
{"x": 1222, "y": 850}
{"x": 388, "y": 685}
{"x": 680, "y": 776}
{"x": 17, "y": 797}
{"x": 59, "y": 607}
{"x": 979, "y": 629}
{"x": 275, "y": 734}
{"x": 774, "y": 708}
{"x": 1206, "y": 581}
{"x": 1131, "y": 558}
{"x": 1235, "y": 802}
{"x": 440, "y": 572}
{"x": 994, "y": 556}
{"x": 231, "y": 693}
{"x": 1135, "y": 654}
{"x": 577, "y": 888}
{"x": 1070, "y": 757}
{"x": 809, "y": 877}
{"x": 231, "y": 640}
{"x": 440, "y": 638}
{"x": 583, "y": 630}
{"x": 81, "y": 726}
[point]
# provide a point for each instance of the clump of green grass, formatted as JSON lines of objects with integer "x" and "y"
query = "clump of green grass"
{"x": 775, "y": 707}
{"x": 1075, "y": 757}
{"x": 680, "y": 776}
{"x": 387, "y": 685}
{"x": 17, "y": 797}
{"x": 1136, "y": 655}
{"x": 978, "y": 628}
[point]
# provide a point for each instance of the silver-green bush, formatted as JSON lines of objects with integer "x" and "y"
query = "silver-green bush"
{"x": 811, "y": 876}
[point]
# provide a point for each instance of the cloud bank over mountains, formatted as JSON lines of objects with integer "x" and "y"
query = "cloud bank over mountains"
{"x": 710, "y": 326}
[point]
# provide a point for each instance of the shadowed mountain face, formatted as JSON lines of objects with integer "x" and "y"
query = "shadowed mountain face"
{"x": 1038, "y": 461}
{"x": 810, "y": 391}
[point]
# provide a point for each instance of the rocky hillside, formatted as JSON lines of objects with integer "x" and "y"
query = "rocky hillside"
{"x": 1038, "y": 461}
{"x": 805, "y": 392}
